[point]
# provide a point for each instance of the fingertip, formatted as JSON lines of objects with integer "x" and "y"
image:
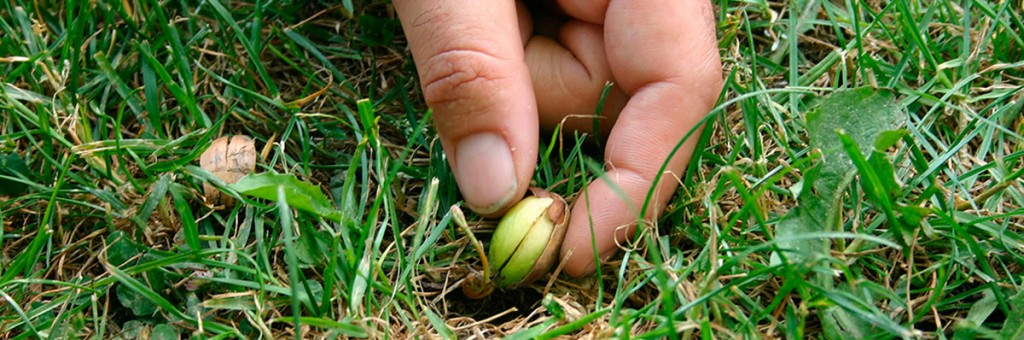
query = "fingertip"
{"x": 580, "y": 267}
{"x": 583, "y": 266}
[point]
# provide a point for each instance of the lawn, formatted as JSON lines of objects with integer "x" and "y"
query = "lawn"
{"x": 859, "y": 178}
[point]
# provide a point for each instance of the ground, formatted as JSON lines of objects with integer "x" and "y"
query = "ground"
{"x": 859, "y": 177}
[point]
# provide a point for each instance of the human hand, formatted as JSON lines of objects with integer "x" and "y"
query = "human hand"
{"x": 492, "y": 83}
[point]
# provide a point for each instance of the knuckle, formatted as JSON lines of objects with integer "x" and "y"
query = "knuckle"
{"x": 462, "y": 77}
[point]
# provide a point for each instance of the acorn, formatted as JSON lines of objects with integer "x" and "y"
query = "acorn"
{"x": 229, "y": 158}
{"x": 527, "y": 240}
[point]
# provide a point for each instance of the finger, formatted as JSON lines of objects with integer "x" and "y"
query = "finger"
{"x": 525, "y": 21}
{"x": 469, "y": 55}
{"x": 592, "y": 11}
{"x": 670, "y": 68}
{"x": 569, "y": 76}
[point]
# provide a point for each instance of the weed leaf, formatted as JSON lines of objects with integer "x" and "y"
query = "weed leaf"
{"x": 164, "y": 332}
{"x": 978, "y": 313}
{"x": 119, "y": 248}
{"x": 298, "y": 194}
{"x": 864, "y": 114}
{"x": 12, "y": 165}
{"x": 1013, "y": 327}
{"x": 138, "y": 303}
{"x": 859, "y": 117}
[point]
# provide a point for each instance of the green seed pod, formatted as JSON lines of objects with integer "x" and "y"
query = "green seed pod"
{"x": 527, "y": 239}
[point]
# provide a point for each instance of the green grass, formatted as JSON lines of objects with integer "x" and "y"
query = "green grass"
{"x": 106, "y": 107}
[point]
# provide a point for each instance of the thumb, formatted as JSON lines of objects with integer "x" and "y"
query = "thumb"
{"x": 469, "y": 55}
{"x": 672, "y": 86}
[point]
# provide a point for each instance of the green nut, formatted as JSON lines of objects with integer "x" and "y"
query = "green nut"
{"x": 527, "y": 240}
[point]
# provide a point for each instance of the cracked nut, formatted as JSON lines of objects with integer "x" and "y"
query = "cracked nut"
{"x": 229, "y": 158}
{"x": 527, "y": 239}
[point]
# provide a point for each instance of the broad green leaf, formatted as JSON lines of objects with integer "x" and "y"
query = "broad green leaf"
{"x": 12, "y": 165}
{"x": 140, "y": 305}
{"x": 132, "y": 329}
{"x": 156, "y": 278}
{"x": 120, "y": 249}
{"x": 870, "y": 180}
{"x": 313, "y": 289}
{"x": 193, "y": 306}
{"x": 980, "y": 311}
{"x": 311, "y": 244}
{"x": 803, "y": 220}
{"x": 298, "y": 194}
{"x": 147, "y": 293}
{"x": 164, "y": 332}
{"x": 1013, "y": 327}
{"x": 973, "y": 327}
{"x": 864, "y": 116}
{"x": 863, "y": 113}
{"x": 854, "y": 315}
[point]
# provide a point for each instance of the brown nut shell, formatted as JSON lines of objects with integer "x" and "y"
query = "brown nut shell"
{"x": 229, "y": 158}
{"x": 526, "y": 242}
{"x": 557, "y": 214}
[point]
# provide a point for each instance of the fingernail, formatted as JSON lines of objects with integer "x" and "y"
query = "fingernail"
{"x": 485, "y": 172}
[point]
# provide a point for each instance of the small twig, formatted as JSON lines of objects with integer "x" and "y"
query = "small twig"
{"x": 474, "y": 286}
{"x": 984, "y": 196}
{"x": 460, "y": 220}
